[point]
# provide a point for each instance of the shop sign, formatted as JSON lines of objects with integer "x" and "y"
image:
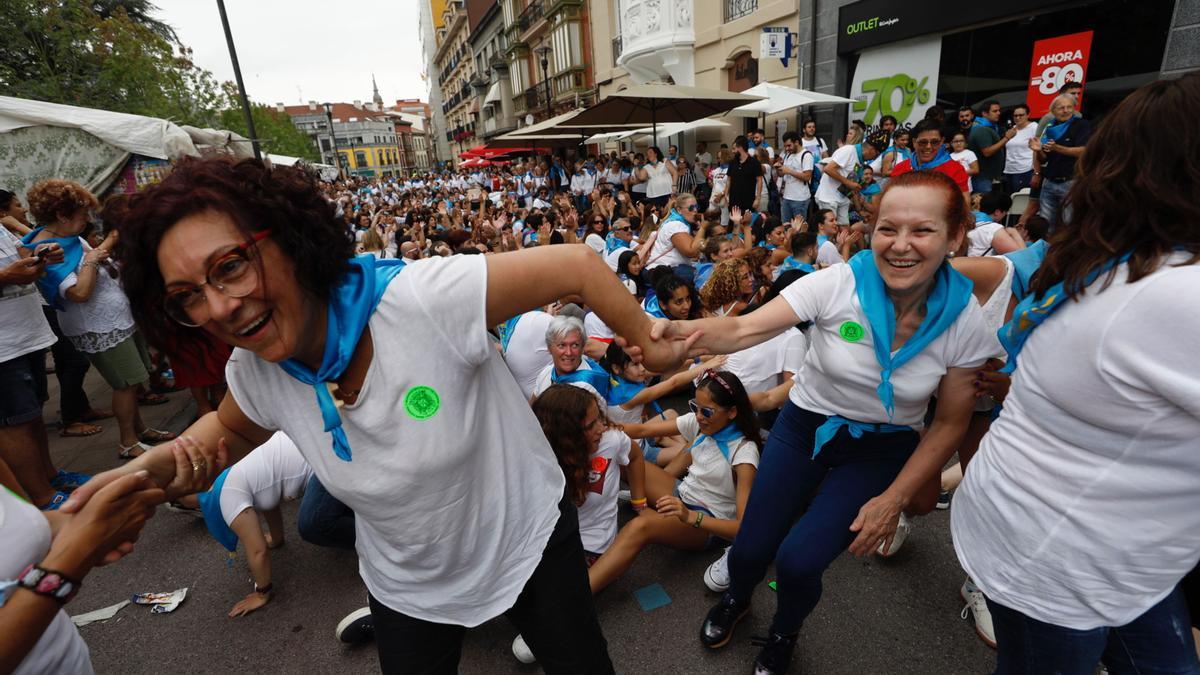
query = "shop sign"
{"x": 871, "y": 23}
{"x": 1055, "y": 62}
{"x": 899, "y": 79}
{"x": 775, "y": 43}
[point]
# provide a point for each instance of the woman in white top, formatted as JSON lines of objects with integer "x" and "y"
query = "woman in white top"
{"x": 659, "y": 176}
{"x": 960, "y": 153}
{"x": 1080, "y": 514}
{"x": 705, "y": 508}
{"x": 889, "y": 329}
{"x": 674, "y": 245}
{"x": 406, "y": 352}
{"x": 93, "y": 312}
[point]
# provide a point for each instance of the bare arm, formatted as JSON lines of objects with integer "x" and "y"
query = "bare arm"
{"x": 676, "y": 381}
{"x": 726, "y": 529}
{"x": 877, "y": 520}
{"x": 729, "y": 334}
{"x": 686, "y": 244}
{"x": 248, "y": 530}
{"x": 635, "y": 472}
{"x": 653, "y": 429}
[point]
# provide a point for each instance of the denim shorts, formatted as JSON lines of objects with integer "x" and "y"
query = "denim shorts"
{"x": 22, "y": 388}
{"x": 713, "y": 540}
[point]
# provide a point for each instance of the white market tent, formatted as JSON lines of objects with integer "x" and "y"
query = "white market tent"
{"x": 40, "y": 140}
{"x": 325, "y": 171}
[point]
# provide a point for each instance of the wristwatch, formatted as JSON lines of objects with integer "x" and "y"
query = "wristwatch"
{"x": 48, "y": 583}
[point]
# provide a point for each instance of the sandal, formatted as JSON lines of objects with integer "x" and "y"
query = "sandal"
{"x": 127, "y": 452}
{"x": 152, "y": 398}
{"x": 97, "y": 414}
{"x": 150, "y": 435}
{"x": 80, "y": 429}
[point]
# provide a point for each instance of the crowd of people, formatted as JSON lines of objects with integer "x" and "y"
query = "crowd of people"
{"x": 763, "y": 356}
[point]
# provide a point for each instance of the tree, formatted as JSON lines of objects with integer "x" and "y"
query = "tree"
{"x": 139, "y": 11}
{"x": 276, "y": 133}
{"x": 66, "y": 51}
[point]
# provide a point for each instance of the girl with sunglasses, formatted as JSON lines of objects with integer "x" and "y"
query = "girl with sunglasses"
{"x": 596, "y": 231}
{"x": 674, "y": 246}
{"x": 703, "y": 510}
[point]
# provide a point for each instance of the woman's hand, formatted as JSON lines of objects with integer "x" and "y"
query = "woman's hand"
{"x": 670, "y": 343}
{"x": 876, "y": 523}
{"x": 251, "y": 602}
{"x": 96, "y": 255}
{"x": 989, "y": 381}
{"x": 110, "y": 522}
{"x": 672, "y": 506}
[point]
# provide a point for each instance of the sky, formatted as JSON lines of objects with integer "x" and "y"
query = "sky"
{"x": 293, "y": 51}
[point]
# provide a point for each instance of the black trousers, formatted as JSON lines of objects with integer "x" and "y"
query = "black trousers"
{"x": 70, "y": 367}
{"x": 554, "y": 613}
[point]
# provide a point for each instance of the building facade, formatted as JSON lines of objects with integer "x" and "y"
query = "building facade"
{"x": 368, "y": 139}
{"x": 549, "y": 45}
{"x": 430, "y": 22}
{"x": 455, "y": 71}
{"x": 489, "y": 43}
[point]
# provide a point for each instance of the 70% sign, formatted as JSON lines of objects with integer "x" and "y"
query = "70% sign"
{"x": 884, "y": 91}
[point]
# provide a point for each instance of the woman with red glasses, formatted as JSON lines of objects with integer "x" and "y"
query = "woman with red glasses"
{"x": 384, "y": 375}
{"x": 704, "y": 510}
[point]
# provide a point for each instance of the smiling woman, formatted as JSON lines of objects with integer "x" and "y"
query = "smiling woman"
{"x": 449, "y": 534}
{"x": 890, "y": 329}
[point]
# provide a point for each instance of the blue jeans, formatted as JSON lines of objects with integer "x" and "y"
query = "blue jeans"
{"x": 324, "y": 520}
{"x": 847, "y": 473}
{"x": 792, "y": 208}
{"x": 1159, "y": 641}
{"x": 1014, "y": 182}
{"x": 1050, "y": 203}
{"x": 981, "y": 185}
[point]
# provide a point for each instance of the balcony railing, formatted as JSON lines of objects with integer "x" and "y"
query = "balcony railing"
{"x": 736, "y": 9}
{"x": 532, "y": 14}
{"x": 535, "y": 97}
{"x": 616, "y": 48}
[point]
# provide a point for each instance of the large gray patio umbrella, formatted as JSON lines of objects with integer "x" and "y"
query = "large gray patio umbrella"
{"x": 649, "y": 104}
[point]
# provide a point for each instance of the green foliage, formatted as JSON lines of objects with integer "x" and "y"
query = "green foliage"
{"x": 109, "y": 54}
{"x": 276, "y": 133}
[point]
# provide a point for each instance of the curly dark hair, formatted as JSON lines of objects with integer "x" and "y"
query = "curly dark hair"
{"x": 255, "y": 197}
{"x": 561, "y": 410}
{"x": 52, "y": 199}
{"x": 1158, "y": 173}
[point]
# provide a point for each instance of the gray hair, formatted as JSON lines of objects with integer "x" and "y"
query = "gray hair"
{"x": 562, "y": 326}
{"x": 1063, "y": 97}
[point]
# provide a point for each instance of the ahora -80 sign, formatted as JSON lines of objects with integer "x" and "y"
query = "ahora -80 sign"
{"x": 899, "y": 79}
{"x": 1055, "y": 62}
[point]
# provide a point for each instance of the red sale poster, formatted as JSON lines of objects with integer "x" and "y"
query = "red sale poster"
{"x": 1056, "y": 61}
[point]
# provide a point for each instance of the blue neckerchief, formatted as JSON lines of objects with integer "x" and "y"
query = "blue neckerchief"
{"x": 703, "y": 272}
{"x": 1034, "y": 310}
{"x": 722, "y": 438}
{"x": 950, "y": 294}
{"x": 821, "y": 239}
{"x": 612, "y": 243}
{"x": 939, "y": 159}
{"x": 72, "y": 253}
{"x": 589, "y": 372}
{"x": 1025, "y": 262}
{"x": 506, "y": 331}
{"x": 351, "y": 305}
{"x": 210, "y": 508}
{"x": 981, "y": 217}
{"x": 870, "y": 191}
{"x": 621, "y": 390}
{"x": 829, "y": 429}
{"x": 1055, "y": 131}
{"x": 652, "y": 308}
{"x": 982, "y": 122}
{"x": 790, "y": 263}
{"x": 675, "y": 215}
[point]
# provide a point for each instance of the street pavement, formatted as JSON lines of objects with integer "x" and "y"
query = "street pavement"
{"x": 895, "y": 616}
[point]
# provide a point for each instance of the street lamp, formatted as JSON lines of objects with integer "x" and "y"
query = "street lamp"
{"x": 544, "y": 52}
{"x": 337, "y": 157}
{"x": 241, "y": 87}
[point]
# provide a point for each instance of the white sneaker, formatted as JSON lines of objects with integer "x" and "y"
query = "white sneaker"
{"x": 977, "y": 606}
{"x": 522, "y": 651}
{"x": 903, "y": 529}
{"x": 716, "y": 577}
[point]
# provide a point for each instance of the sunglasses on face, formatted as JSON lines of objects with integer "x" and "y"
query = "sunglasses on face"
{"x": 927, "y": 143}
{"x": 702, "y": 410}
{"x": 693, "y": 208}
{"x": 621, "y": 229}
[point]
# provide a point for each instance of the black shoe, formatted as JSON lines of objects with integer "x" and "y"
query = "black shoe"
{"x": 776, "y": 654}
{"x": 718, "y": 626}
{"x": 357, "y": 628}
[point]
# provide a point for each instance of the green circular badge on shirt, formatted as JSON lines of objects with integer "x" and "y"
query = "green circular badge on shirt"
{"x": 851, "y": 331}
{"x": 422, "y": 402}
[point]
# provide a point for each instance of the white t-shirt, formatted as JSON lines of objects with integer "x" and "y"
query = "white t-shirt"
{"x": 846, "y": 157}
{"x": 453, "y": 485}
{"x": 544, "y": 381}
{"x": 759, "y": 367}
{"x": 24, "y": 540}
{"x": 271, "y": 473}
{"x": 663, "y": 252}
{"x": 659, "y": 180}
{"x": 614, "y": 259}
{"x": 840, "y": 377}
{"x": 964, "y": 158}
{"x": 709, "y": 480}
{"x": 827, "y": 253}
{"x": 1080, "y": 508}
{"x": 596, "y": 328}
{"x": 980, "y": 238}
{"x": 596, "y": 242}
{"x": 598, "y": 515}
{"x": 794, "y": 188}
{"x": 527, "y": 355}
{"x": 1018, "y": 156}
{"x": 793, "y": 352}
{"x": 816, "y": 146}
{"x": 24, "y": 328}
